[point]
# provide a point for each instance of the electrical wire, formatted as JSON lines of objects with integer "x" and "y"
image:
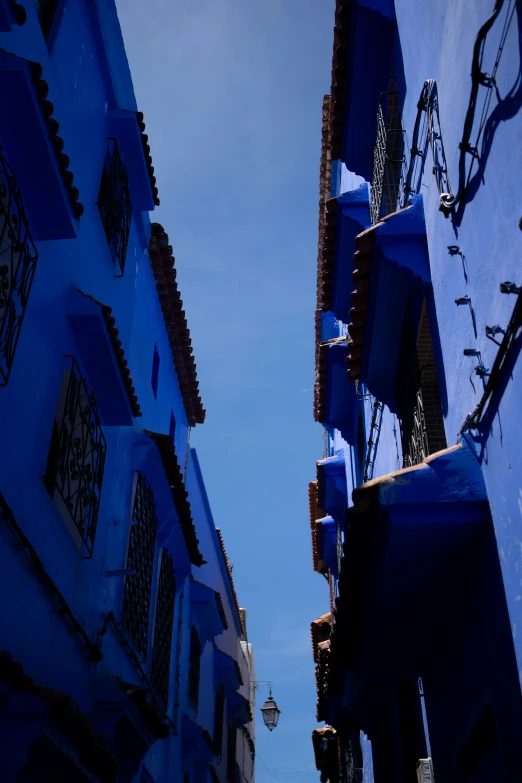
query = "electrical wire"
{"x": 478, "y": 78}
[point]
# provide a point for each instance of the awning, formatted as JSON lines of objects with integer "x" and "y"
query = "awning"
{"x": 205, "y": 610}
{"x": 127, "y": 127}
{"x": 97, "y": 337}
{"x": 197, "y": 742}
{"x": 238, "y": 709}
{"x": 391, "y": 263}
{"x": 226, "y": 670}
{"x": 320, "y": 630}
{"x": 34, "y": 148}
{"x": 358, "y": 78}
{"x": 326, "y": 752}
{"x": 408, "y": 553}
{"x": 336, "y": 400}
{"x": 331, "y": 486}
{"x": 346, "y": 217}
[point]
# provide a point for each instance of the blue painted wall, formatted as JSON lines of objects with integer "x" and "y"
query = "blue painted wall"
{"x": 85, "y": 66}
{"x": 479, "y": 666}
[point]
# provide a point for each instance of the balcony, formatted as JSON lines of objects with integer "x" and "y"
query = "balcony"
{"x": 410, "y": 408}
{"x": 164, "y": 620}
{"x": 18, "y": 259}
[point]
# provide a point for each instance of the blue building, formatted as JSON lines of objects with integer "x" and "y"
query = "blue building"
{"x": 416, "y": 505}
{"x": 123, "y": 651}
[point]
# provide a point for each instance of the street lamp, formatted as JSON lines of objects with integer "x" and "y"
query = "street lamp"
{"x": 270, "y": 712}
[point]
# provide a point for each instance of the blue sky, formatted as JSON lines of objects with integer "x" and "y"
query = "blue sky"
{"x": 231, "y": 91}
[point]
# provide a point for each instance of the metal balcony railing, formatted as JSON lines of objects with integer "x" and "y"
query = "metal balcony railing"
{"x": 410, "y": 407}
{"x": 388, "y": 158}
{"x": 18, "y": 259}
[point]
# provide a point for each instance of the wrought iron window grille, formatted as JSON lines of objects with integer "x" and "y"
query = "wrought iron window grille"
{"x": 18, "y": 259}
{"x": 219, "y": 711}
{"x": 140, "y": 559}
{"x": 388, "y": 158}
{"x": 194, "y": 669}
{"x": 161, "y": 649}
{"x": 115, "y": 205}
{"x": 76, "y": 456}
{"x": 414, "y": 435}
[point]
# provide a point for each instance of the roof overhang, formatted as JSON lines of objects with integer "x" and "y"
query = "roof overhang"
{"x": 97, "y": 337}
{"x": 361, "y": 66}
{"x": 408, "y": 555}
{"x": 391, "y": 265}
{"x": 331, "y": 487}
{"x": 205, "y": 610}
{"x": 226, "y": 670}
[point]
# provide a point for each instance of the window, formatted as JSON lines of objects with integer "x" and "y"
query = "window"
{"x": 172, "y": 428}
{"x": 155, "y": 371}
{"x": 76, "y": 458}
{"x": 18, "y": 258}
{"x": 163, "y": 628}
{"x": 195, "y": 663}
{"x": 115, "y": 205}
{"x": 361, "y": 446}
{"x": 418, "y": 396}
{"x": 140, "y": 559}
{"x": 388, "y": 155}
{"x": 219, "y": 708}
{"x": 231, "y": 752}
{"x": 46, "y": 10}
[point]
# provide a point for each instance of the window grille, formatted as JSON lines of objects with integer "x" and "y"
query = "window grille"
{"x": 195, "y": 663}
{"x": 77, "y": 453}
{"x": 163, "y": 628}
{"x": 388, "y": 157}
{"x": 115, "y": 205}
{"x": 231, "y": 753}
{"x": 219, "y": 709}
{"x": 414, "y": 436}
{"x": 46, "y": 10}
{"x": 18, "y": 258}
{"x": 140, "y": 559}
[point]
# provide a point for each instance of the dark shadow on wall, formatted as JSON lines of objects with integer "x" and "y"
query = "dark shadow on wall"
{"x": 506, "y": 109}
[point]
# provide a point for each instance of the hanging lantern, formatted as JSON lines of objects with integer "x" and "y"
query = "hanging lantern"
{"x": 270, "y": 712}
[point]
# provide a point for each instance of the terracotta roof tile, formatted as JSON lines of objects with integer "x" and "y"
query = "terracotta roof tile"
{"x": 148, "y": 158}
{"x": 322, "y": 679}
{"x": 221, "y": 610}
{"x": 119, "y": 352}
{"x": 339, "y": 69}
{"x": 162, "y": 261}
{"x": 318, "y": 735}
{"x": 231, "y": 580}
{"x": 179, "y": 494}
{"x": 42, "y": 90}
{"x": 363, "y": 259}
{"x": 320, "y": 630}
{"x": 316, "y": 514}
